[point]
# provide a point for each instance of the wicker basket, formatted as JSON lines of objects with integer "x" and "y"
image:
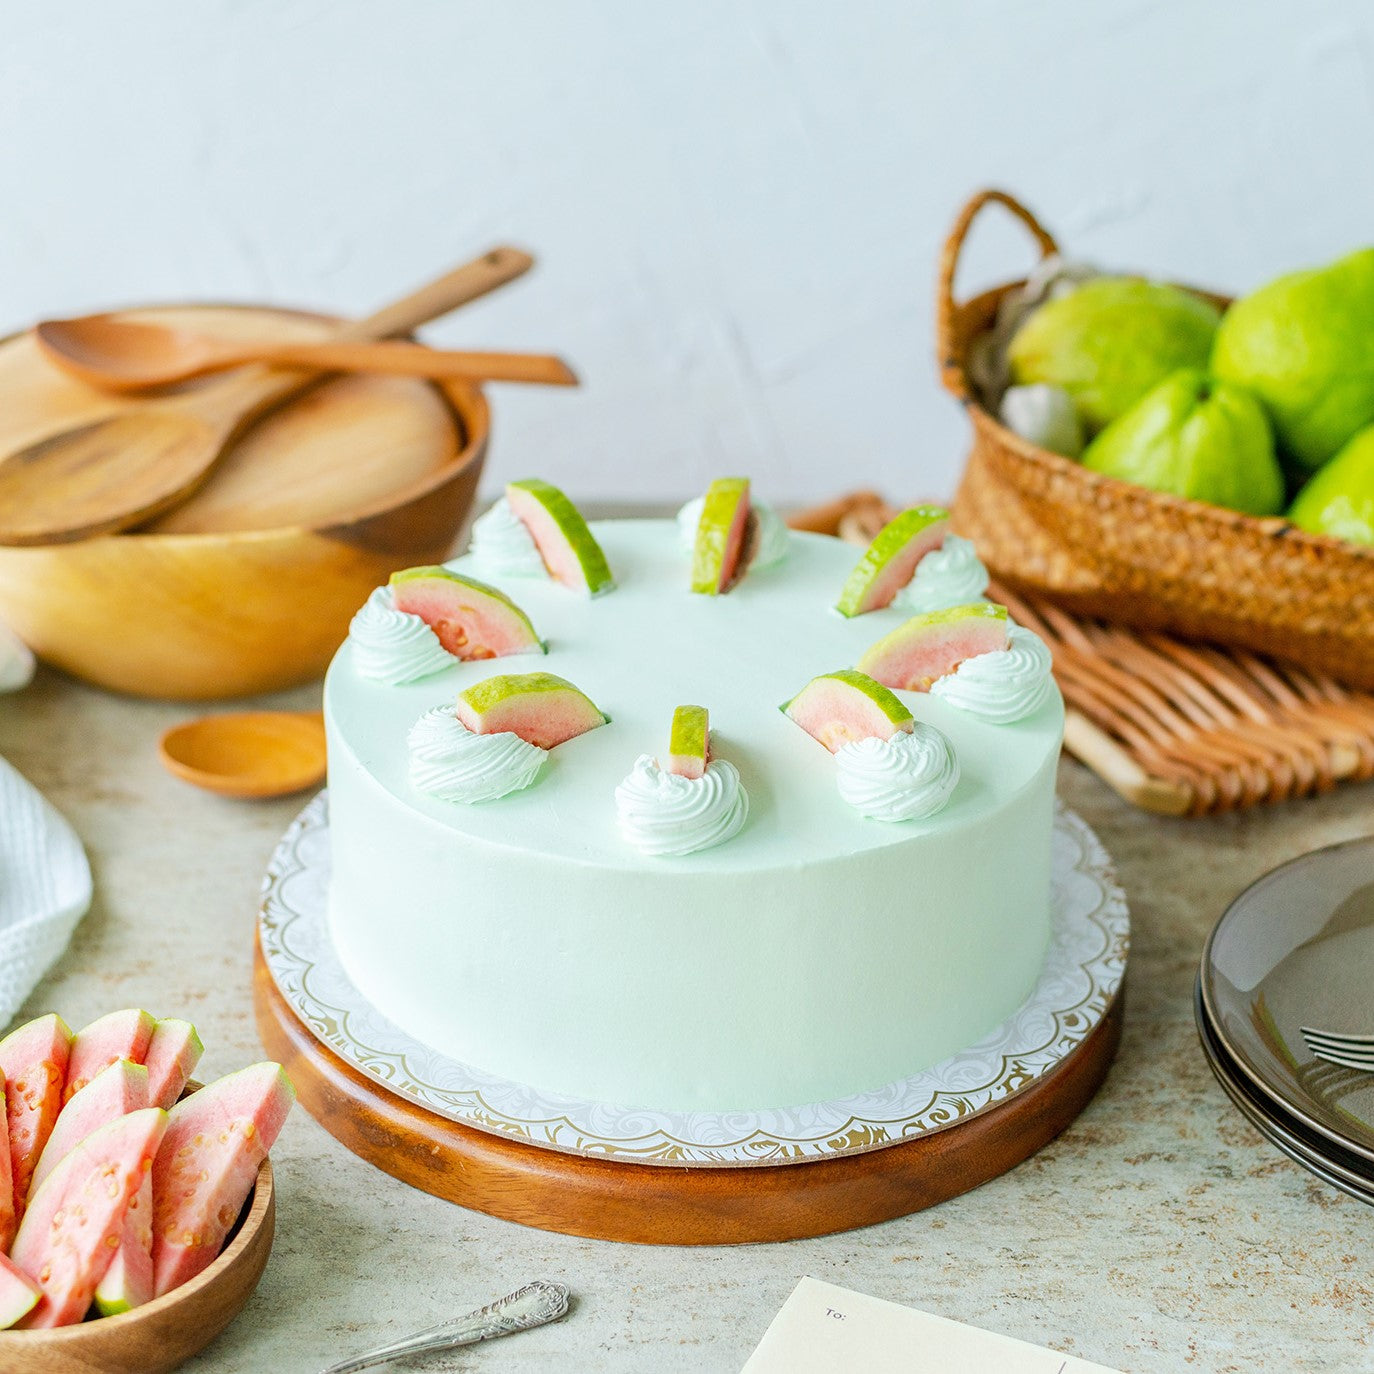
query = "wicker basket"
{"x": 1101, "y": 547}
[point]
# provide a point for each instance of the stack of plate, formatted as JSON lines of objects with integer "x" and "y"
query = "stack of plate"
{"x": 1295, "y": 950}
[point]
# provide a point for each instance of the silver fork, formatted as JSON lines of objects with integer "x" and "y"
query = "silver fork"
{"x": 1349, "y": 1051}
{"x": 532, "y": 1305}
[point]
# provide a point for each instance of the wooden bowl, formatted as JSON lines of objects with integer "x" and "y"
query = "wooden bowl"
{"x": 161, "y": 1334}
{"x": 249, "y": 586}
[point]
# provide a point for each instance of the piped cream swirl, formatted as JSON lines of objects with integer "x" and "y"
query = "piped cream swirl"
{"x": 502, "y": 544}
{"x": 662, "y": 813}
{"x": 951, "y": 575}
{"x": 905, "y": 778}
{"x": 448, "y": 761}
{"x": 1003, "y": 686}
{"x": 394, "y": 646}
{"x": 772, "y": 539}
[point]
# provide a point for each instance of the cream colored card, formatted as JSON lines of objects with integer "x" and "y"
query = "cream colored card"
{"x": 823, "y": 1329}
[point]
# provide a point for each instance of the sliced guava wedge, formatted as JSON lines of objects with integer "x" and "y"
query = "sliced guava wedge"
{"x": 72, "y": 1227}
{"x": 33, "y": 1061}
{"x": 19, "y": 1294}
{"x": 565, "y": 543}
{"x": 542, "y": 709}
{"x": 721, "y": 552}
{"x": 889, "y": 562}
{"x": 929, "y": 646}
{"x": 173, "y": 1054}
{"x": 128, "y": 1282}
{"x": 689, "y": 744}
{"x": 8, "y": 1221}
{"x": 115, "y": 1091}
{"x": 839, "y": 708}
{"x": 120, "y": 1035}
{"x": 216, "y": 1140}
{"x": 469, "y": 618}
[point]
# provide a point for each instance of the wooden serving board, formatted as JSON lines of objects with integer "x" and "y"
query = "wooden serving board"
{"x": 654, "y": 1204}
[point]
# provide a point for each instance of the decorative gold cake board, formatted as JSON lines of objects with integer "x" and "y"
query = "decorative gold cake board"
{"x": 657, "y": 1205}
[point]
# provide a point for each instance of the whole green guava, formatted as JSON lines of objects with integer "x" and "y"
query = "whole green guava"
{"x": 1339, "y": 499}
{"x": 1304, "y": 345}
{"x": 1197, "y": 438}
{"x": 1110, "y": 340}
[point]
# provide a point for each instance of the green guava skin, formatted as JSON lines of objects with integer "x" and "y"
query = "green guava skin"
{"x": 1339, "y": 499}
{"x": 689, "y": 741}
{"x": 1110, "y": 341}
{"x": 1196, "y": 438}
{"x": 1304, "y": 345}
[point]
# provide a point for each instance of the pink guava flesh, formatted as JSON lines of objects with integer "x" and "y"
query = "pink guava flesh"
{"x": 837, "y": 714}
{"x": 128, "y": 1282}
{"x": 8, "y": 1221}
{"x": 120, "y": 1035}
{"x": 113, "y": 1092}
{"x": 469, "y": 621}
{"x": 585, "y": 570}
{"x": 18, "y": 1293}
{"x": 173, "y": 1054}
{"x": 34, "y": 1062}
{"x": 902, "y": 567}
{"x": 547, "y": 716}
{"x": 215, "y": 1143}
{"x": 72, "y": 1227}
{"x": 916, "y": 654}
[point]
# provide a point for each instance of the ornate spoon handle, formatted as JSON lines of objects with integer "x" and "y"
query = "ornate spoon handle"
{"x": 533, "y": 1305}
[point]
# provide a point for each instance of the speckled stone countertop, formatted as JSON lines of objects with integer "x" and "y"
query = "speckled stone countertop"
{"x": 1158, "y": 1233}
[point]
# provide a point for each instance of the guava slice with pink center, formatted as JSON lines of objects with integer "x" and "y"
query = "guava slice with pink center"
{"x": 568, "y": 548}
{"x": 929, "y": 646}
{"x": 8, "y": 1221}
{"x": 72, "y": 1227}
{"x": 19, "y": 1294}
{"x": 720, "y": 554}
{"x": 839, "y": 708}
{"x": 173, "y": 1054}
{"x": 689, "y": 744}
{"x": 889, "y": 562}
{"x": 120, "y": 1035}
{"x": 114, "y": 1092}
{"x": 469, "y": 618}
{"x": 542, "y": 709}
{"x": 215, "y": 1143}
{"x": 128, "y": 1282}
{"x": 33, "y": 1061}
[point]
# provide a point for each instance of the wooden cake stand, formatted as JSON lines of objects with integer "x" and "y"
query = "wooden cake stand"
{"x": 655, "y": 1204}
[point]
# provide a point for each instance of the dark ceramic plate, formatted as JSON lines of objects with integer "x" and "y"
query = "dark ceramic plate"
{"x": 1297, "y": 949}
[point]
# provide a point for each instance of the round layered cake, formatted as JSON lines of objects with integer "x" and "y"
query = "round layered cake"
{"x": 808, "y": 944}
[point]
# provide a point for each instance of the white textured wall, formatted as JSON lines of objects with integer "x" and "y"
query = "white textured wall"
{"x": 737, "y": 203}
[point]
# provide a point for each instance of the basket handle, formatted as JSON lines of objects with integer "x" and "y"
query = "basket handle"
{"x": 951, "y": 373}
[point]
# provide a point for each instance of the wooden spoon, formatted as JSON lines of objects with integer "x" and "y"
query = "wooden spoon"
{"x": 120, "y": 355}
{"x": 248, "y": 753}
{"x": 127, "y": 468}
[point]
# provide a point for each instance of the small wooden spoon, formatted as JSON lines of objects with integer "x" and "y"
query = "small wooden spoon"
{"x": 129, "y": 467}
{"x": 120, "y": 355}
{"x": 248, "y": 753}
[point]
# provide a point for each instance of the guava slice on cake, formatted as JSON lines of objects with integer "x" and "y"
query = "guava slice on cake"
{"x": 115, "y": 1091}
{"x": 889, "y": 562}
{"x": 19, "y": 1294}
{"x": 72, "y": 1226}
{"x": 173, "y": 1054}
{"x": 839, "y": 708}
{"x": 721, "y": 551}
{"x": 470, "y": 619}
{"x": 215, "y": 1143}
{"x": 120, "y": 1035}
{"x": 541, "y": 708}
{"x": 929, "y": 646}
{"x": 33, "y": 1061}
{"x": 689, "y": 744}
{"x": 568, "y": 548}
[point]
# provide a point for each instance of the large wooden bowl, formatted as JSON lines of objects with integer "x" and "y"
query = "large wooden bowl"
{"x": 248, "y": 587}
{"x": 166, "y": 1332}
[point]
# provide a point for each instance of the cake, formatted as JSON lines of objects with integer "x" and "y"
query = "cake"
{"x": 731, "y": 919}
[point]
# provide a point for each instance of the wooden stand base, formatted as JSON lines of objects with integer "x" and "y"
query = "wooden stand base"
{"x": 660, "y": 1205}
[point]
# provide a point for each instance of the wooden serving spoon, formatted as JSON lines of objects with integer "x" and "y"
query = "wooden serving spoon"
{"x": 119, "y": 355}
{"x": 127, "y": 468}
{"x": 248, "y": 754}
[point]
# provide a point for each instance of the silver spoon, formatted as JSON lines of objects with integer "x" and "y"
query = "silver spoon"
{"x": 533, "y": 1305}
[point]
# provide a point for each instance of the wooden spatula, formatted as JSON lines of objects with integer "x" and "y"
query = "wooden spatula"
{"x": 126, "y": 469}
